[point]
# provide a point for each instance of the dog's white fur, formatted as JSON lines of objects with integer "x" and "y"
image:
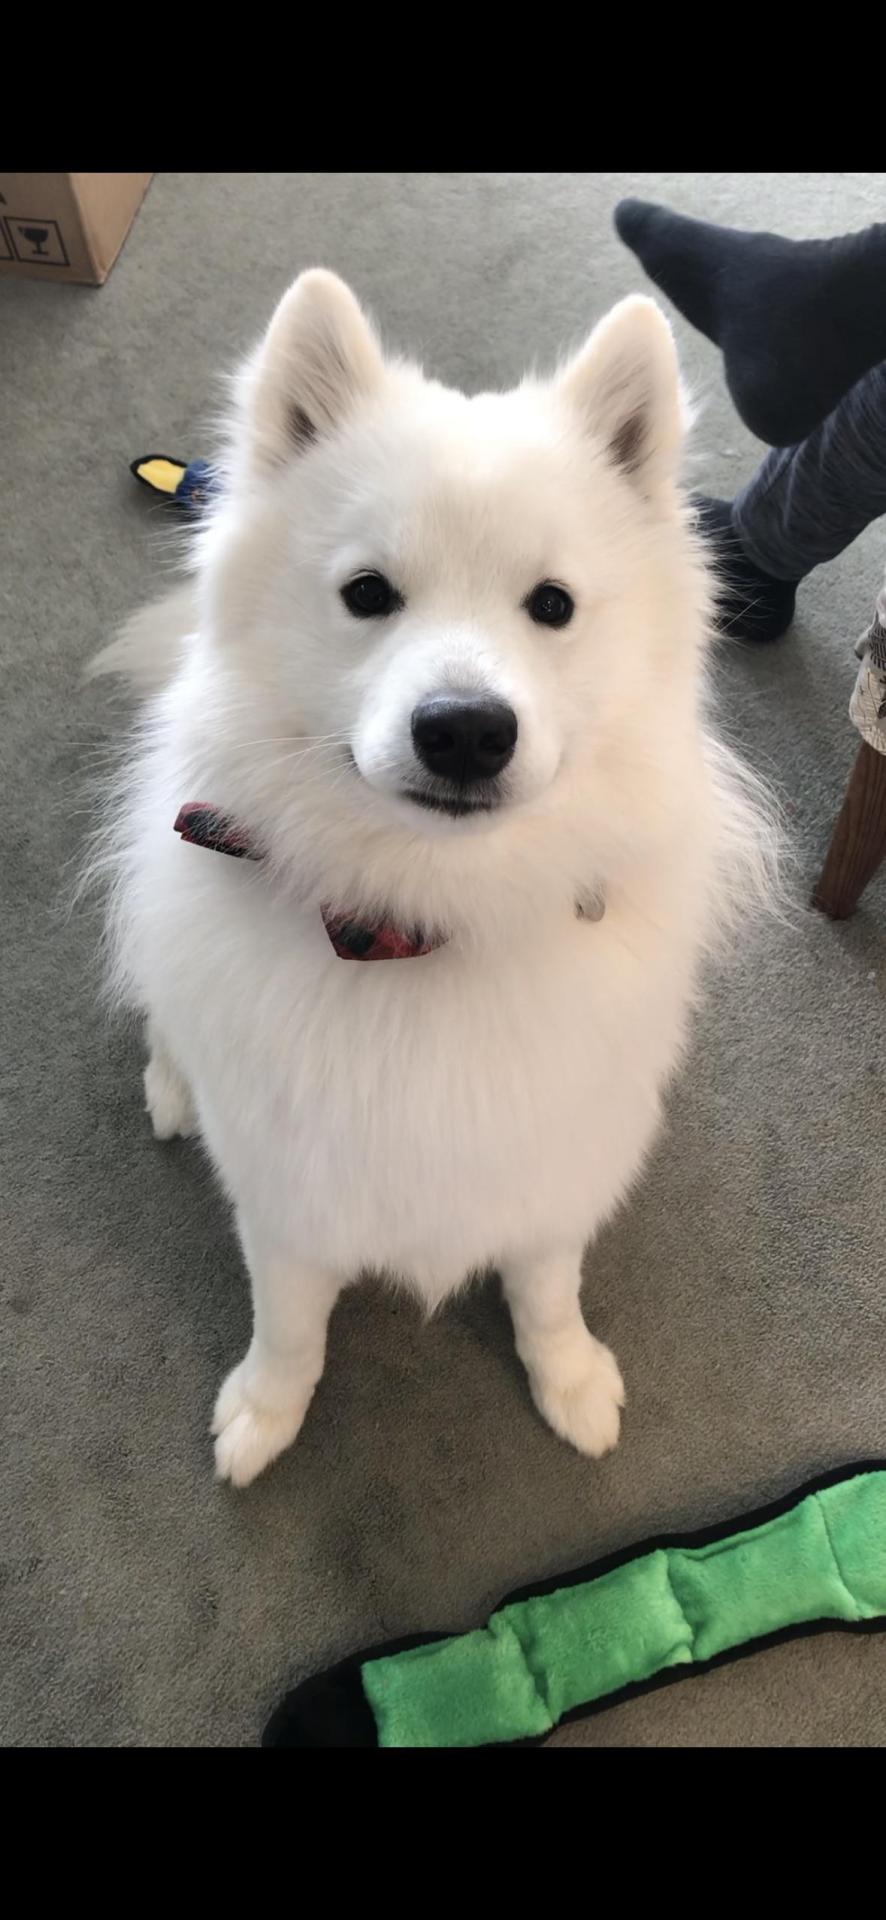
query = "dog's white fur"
{"x": 490, "y": 1103}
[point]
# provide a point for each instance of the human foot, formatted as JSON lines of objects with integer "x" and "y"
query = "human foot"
{"x": 751, "y": 605}
{"x": 798, "y": 321}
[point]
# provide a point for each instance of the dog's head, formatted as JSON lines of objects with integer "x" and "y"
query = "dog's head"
{"x": 453, "y": 602}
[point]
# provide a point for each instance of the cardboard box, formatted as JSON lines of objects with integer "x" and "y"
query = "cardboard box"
{"x": 66, "y": 226}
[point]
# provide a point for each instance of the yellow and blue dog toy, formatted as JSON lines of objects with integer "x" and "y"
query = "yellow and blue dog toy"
{"x": 187, "y": 484}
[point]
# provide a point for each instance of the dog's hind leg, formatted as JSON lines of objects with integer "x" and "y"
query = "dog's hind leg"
{"x": 167, "y": 1094}
{"x": 575, "y": 1382}
{"x": 263, "y": 1402}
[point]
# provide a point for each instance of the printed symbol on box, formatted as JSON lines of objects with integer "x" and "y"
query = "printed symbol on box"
{"x": 39, "y": 242}
{"x": 5, "y": 248}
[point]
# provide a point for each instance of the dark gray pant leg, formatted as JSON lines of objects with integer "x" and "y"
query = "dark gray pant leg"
{"x": 806, "y": 503}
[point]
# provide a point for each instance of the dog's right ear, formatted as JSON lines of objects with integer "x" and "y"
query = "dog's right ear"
{"x": 318, "y": 357}
{"x": 625, "y": 386}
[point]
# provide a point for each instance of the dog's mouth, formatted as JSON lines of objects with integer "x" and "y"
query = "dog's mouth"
{"x": 457, "y": 805}
{"x": 481, "y": 797}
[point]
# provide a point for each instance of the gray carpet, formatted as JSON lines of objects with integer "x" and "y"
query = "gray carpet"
{"x": 742, "y": 1290}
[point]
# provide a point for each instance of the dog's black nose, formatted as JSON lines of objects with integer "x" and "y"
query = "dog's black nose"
{"x": 463, "y": 737}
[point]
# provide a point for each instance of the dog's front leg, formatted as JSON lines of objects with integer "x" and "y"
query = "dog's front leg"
{"x": 168, "y": 1097}
{"x": 575, "y": 1381}
{"x": 262, "y": 1404}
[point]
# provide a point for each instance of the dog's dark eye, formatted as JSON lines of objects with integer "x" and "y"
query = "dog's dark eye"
{"x": 549, "y": 606}
{"x": 370, "y": 596}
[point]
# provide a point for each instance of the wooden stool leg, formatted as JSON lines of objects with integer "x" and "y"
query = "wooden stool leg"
{"x": 858, "y": 843}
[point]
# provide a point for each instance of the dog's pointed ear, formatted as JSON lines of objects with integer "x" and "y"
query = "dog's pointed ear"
{"x": 318, "y": 358}
{"x": 625, "y": 385}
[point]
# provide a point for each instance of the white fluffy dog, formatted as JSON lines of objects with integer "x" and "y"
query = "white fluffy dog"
{"x": 439, "y": 672}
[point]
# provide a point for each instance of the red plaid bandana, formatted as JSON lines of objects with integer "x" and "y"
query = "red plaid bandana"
{"x": 203, "y": 826}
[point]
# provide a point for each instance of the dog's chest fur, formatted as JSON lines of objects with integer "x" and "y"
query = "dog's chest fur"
{"x": 422, "y": 1116}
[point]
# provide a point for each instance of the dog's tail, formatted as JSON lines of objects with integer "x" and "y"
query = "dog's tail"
{"x": 151, "y": 647}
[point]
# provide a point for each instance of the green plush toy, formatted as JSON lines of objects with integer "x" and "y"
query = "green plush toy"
{"x": 557, "y": 1651}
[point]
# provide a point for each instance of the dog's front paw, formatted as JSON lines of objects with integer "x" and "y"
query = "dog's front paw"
{"x": 581, "y": 1396}
{"x": 168, "y": 1099}
{"x": 248, "y": 1433}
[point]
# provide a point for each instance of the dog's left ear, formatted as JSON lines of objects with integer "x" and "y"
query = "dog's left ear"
{"x": 318, "y": 358}
{"x": 625, "y": 385}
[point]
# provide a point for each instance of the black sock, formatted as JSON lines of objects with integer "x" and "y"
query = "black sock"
{"x": 751, "y": 605}
{"x": 798, "y": 321}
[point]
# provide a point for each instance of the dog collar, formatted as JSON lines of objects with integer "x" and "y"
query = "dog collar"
{"x": 203, "y": 826}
